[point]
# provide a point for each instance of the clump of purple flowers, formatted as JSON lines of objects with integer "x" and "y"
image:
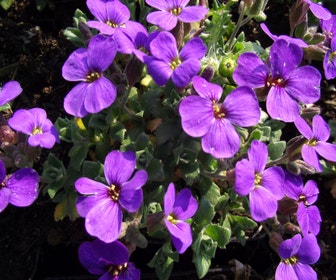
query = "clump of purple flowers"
{"x": 107, "y": 259}
{"x": 281, "y": 81}
{"x": 19, "y": 189}
{"x": 177, "y": 209}
{"x": 103, "y": 204}
{"x": 204, "y": 116}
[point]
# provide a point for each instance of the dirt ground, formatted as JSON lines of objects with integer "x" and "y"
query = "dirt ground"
{"x": 32, "y": 245}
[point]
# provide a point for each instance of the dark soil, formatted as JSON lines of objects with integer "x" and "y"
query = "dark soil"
{"x": 32, "y": 245}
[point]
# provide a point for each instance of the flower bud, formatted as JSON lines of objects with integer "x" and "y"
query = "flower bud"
{"x": 275, "y": 240}
{"x": 208, "y": 73}
{"x": 310, "y": 111}
{"x": 227, "y": 66}
{"x": 294, "y": 146}
{"x": 287, "y": 206}
{"x": 7, "y": 135}
{"x": 153, "y": 221}
{"x": 291, "y": 228}
{"x": 85, "y": 32}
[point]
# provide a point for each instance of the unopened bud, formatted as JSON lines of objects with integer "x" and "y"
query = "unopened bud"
{"x": 294, "y": 146}
{"x": 291, "y": 228}
{"x": 298, "y": 13}
{"x": 287, "y": 206}
{"x": 305, "y": 168}
{"x": 310, "y": 111}
{"x": 85, "y": 32}
{"x": 7, "y": 135}
{"x": 275, "y": 240}
{"x": 227, "y": 66}
{"x": 256, "y": 8}
{"x": 208, "y": 73}
{"x": 133, "y": 70}
{"x": 153, "y": 221}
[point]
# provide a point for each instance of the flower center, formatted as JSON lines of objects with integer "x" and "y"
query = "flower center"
{"x": 311, "y": 142}
{"x": 92, "y": 77}
{"x": 176, "y": 11}
{"x": 115, "y": 270}
{"x": 257, "y": 179}
{"x": 112, "y": 24}
{"x": 114, "y": 192}
{"x": 172, "y": 219}
{"x": 218, "y": 110}
{"x": 275, "y": 82}
{"x": 175, "y": 63}
{"x": 37, "y": 130}
{"x": 332, "y": 56}
{"x": 290, "y": 261}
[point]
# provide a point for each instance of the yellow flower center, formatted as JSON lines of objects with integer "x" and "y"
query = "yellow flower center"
{"x": 291, "y": 260}
{"x": 92, "y": 77}
{"x": 172, "y": 219}
{"x": 176, "y": 11}
{"x": 112, "y": 24}
{"x": 311, "y": 142}
{"x": 217, "y": 109}
{"x": 37, "y": 130}
{"x": 114, "y": 192}
{"x": 257, "y": 179}
{"x": 275, "y": 82}
{"x": 115, "y": 270}
{"x": 332, "y": 56}
{"x": 175, "y": 63}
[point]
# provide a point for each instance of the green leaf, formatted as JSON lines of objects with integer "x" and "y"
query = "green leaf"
{"x": 204, "y": 214}
{"x": 5, "y": 4}
{"x": 92, "y": 169}
{"x": 276, "y": 149}
{"x": 241, "y": 222}
{"x": 63, "y": 126}
{"x": 219, "y": 234}
{"x": 78, "y": 154}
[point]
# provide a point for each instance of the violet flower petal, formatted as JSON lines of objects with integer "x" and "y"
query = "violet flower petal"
{"x": 75, "y": 67}
{"x": 193, "y": 49}
{"x": 166, "y": 21}
{"x": 22, "y": 121}
{"x": 98, "y": 9}
{"x": 114, "y": 253}
{"x": 159, "y": 4}
{"x": 321, "y": 129}
{"x": 181, "y": 235}
{"x": 285, "y": 271}
{"x": 273, "y": 180}
{"x": 185, "y": 205}
{"x": 74, "y": 100}
{"x": 183, "y": 74}
{"x": 326, "y": 150}
{"x": 104, "y": 220}
{"x": 196, "y": 115}
{"x": 90, "y": 259}
{"x": 251, "y": 71}
{"x": 90, "y": 187}
{"x": 257, "y": 155}
{"x": 263, "y": 204}
{"x": 2, "y": 171}
{"x": 293, "y": 185}
{"x": 192, "y": 13}
{"x": 319, "y": 11}
{"x": 309, "y": 251}
{"x": 100, "y": 94}
{"x": 310, "y": 156}
{"x": 119, "y": 166}
{"x": 303, "y": 84}
{"x": 241, "y": 107}
{"x": 131, "y": 193}
{"x": 304, "y": 271}
{"x": 164, "y": 47}
{"x": 207, "y": 90}
{"x": 45, "y": 140}
{"x": 280, "y": 105}
{"x": 222, "y": 140}
{"x": 9, "y": 91}
{"x": 23, "y": 185}
{"x": 310, "y": 191}
{"x": 159, "y": 70}
{"x": 169, "y": 199}
{"x": 4, "y": 198}
{"x": 309, "y": 219}
{"x": 290, "y": 247}
{"x": 102, "y": 27}
{"x": 244, "y": 177}
{"x": 304, "y": 128}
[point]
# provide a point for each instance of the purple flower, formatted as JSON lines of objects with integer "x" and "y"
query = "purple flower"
{"x": 329, "y": 61}
{"x": 173, "y": 10}
{"x": 166, "y": 62}
{"x": 204, "y": 116}
{"x": 282, "y": 81}
{"x": 177, "y": 210}
{"x": 9, "y": 91}
{"x": 103, "y": 204}
{"x": 34, "y": 123}
{"x": 288, "y": 39}
{"x": 264, "y": 186}
{"x": 19, "y": 189}
{"x": 296, "y": 254}
{"x": 308, "y": 215}
{"x": 107, "y": 259}
{"x": 318, "y": 11}
{"x": 113, "y": 18}
{"x": 317, "y": 137}
{"x": 328, "y": 28}
{"x": 94, "y": 92}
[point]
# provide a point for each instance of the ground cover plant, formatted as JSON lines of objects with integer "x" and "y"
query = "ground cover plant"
{"x": 178, "y": 129}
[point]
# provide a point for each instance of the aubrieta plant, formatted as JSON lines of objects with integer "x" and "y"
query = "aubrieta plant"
{"x": 175, "y": 132}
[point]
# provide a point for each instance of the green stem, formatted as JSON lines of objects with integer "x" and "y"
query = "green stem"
{"x": 237, "y": 27}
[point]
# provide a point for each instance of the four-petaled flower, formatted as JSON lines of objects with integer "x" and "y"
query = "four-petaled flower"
{"x": 177, "y": 210}
{"x": 19, "y": 189}
{"x": 297, "y": 254}
{"x": 308, "y": 215}
{"x": 107, "y": 259}
{"x": 281, "y": 81}
{"x": 94, "y": 92}
{"x": 264, "y": 186}
{"x": 103, "y": 204}
{"x": 316, "y": 143}
{"x": 172, "y": 11}
{"x": 9, "y": 91}
{"x": 34, "y": 123}
{"x": 166, "y": 62}
{"x": 204, "y": 116}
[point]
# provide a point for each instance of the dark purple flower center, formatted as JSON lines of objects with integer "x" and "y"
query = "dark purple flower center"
{"x": 175, "y": 63}
{"x": 115, "y": 270}
{"x": 218, "y": 110}
{"x": 91, "y": 77}
{"x": 114, "y": 192}
{"x": 275, "y": 82}
{"x": 175, "y": 11}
